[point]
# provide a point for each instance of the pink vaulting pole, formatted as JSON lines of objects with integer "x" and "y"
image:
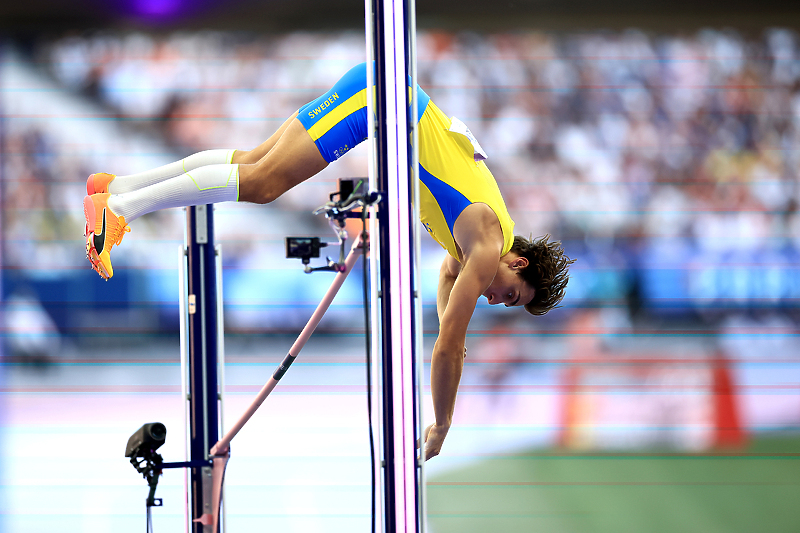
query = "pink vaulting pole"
{"x": 222, "y": 445}
{"x": 220, "y": 451}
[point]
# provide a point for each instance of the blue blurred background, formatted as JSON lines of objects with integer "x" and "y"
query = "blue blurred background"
{"x": 665, "y": 158}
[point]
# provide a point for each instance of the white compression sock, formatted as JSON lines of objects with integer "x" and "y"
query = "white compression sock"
{"x": 205, "y": 185}
{"x": 132, "y": 182}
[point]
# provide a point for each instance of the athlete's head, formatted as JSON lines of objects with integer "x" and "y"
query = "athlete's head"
{"x": 540, "y": 266}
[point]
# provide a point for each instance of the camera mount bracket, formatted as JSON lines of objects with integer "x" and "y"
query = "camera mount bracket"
{"x": 148, "y": 462}
{"x": 352, "y": 194}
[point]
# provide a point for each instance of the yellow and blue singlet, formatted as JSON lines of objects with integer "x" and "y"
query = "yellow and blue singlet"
{"x": 450, "y": 178}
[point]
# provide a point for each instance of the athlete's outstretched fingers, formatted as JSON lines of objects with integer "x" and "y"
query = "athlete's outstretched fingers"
{"x": 434, "y": 439}
{"x": 425, "y": 435}
{"x": 292, "y": 160}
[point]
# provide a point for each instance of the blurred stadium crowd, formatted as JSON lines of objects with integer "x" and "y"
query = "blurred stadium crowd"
{"x": 597, "y": 135}
{"x": 667, "y": 164}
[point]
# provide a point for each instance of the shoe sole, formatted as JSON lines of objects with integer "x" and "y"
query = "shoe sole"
{"x": 90, "y": 214}
{"x": 91, "y": 252}
{"x": 97, "y": 264}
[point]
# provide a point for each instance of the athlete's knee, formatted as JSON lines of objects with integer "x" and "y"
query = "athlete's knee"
{"x": 261, "y": 183}
{"x": 246, "y": 157}
{"x": 260, "y": 193}
{"x": 254, "y": 185}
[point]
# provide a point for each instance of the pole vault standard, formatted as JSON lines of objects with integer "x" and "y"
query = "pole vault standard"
{"x": 390, "y": 31}
{"x": 220, "y": 451}
{"x": 204, "y": 331}
{"x": 213, "y": 477}
{"x": 202, "y": 366}
{"x": 203, "y": 517}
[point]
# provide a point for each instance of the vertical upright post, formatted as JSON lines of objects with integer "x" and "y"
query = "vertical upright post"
{"x": 202, "y": 335}
{"x": 394, "y": 168}
{"x": 2, "y": 204}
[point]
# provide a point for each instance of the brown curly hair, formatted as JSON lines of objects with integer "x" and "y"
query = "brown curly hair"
{"x": 547, "y": 271}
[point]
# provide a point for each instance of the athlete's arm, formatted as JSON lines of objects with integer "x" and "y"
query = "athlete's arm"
{"x": 447, "y": 277}
{"x": 478, "y": 233}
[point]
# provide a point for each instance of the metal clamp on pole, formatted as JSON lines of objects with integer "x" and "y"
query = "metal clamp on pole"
{"x": 352, "y": 195}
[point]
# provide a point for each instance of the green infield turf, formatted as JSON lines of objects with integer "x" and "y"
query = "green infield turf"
{"x": 755, "y": 489}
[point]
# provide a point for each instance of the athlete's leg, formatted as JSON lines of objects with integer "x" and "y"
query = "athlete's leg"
{"x": 320, "y": 132}
{"x": 205, "y": 185}
{"x": 287, "y": 158}
{"x": 102, "y": 182}
{"x": 293, "y": 159}
{"x": 254, "y": 156}
{"x": 108, "y": 215}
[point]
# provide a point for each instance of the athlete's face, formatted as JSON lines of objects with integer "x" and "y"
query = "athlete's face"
{"x": 508, "y": 287}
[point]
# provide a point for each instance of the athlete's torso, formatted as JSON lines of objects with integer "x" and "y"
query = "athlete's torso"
{"x": 451, "y": 180}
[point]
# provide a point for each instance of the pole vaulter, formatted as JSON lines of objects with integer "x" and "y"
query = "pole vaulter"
{"x": 427, "y": 167}
{"x": 396, "y": 304}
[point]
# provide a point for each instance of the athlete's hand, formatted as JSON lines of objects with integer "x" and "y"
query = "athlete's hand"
{"x": 434, "y": 438}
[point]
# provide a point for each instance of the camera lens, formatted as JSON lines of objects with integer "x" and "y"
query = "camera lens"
{"x": 158, "y": 431}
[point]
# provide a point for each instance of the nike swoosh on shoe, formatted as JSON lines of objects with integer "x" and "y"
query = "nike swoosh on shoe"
{"x": 100, "y": 240}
